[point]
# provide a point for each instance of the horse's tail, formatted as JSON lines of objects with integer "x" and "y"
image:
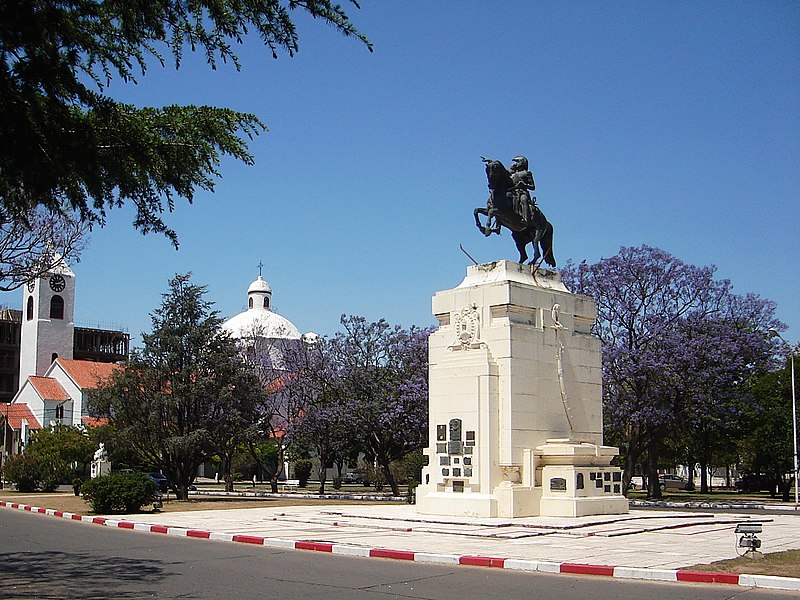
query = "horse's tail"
{"x": 547, "y": 242}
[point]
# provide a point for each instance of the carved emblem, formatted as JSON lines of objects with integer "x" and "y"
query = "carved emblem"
{"x": 467, "y": 328}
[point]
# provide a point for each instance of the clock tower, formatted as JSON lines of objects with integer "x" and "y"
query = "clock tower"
{"x": 48, "y": 328}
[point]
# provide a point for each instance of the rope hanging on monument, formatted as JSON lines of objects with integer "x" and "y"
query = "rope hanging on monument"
{"x": 559, "y": 363}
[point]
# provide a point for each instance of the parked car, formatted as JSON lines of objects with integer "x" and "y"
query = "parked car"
{"x": 161, "y": 482}
{"x": 637, "y": 483}
{"x": 351, "y": 477}
{"x": 672, "y": 482}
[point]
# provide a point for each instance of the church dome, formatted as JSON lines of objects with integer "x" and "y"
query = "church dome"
{"x": 259, "y": 320}
{"x": 259, "y": 286}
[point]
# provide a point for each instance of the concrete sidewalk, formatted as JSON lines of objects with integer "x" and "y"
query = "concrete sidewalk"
{"x": 644, "y": 544}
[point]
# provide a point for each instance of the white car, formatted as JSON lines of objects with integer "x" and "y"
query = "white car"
{"x": 672, "y": 482}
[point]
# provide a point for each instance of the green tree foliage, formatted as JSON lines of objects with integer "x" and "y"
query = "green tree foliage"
{"x": 118, "y": 492}
{"x": 23, "y": 471}
{"x": 49, "y": 458}
{"x": 120, "y": 454}
{"x": 70, "y": 444}
{"x": 766, "y": 445}
{"x": 66, "y": 145}
{"x": 264, "y": 455}
{"x": 186, "y": 394}
{"x": 30, "y": 472}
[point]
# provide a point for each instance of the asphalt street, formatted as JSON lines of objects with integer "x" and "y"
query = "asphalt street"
{"x": 48, "y": 558}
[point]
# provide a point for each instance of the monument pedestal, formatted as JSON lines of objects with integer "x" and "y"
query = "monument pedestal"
{"x": 512, "y": 366}
{"x": 578, "y": 480}
{"x": 100, "y": 468}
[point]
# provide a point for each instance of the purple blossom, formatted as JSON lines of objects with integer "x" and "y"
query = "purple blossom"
{"x": 676, "y": 343}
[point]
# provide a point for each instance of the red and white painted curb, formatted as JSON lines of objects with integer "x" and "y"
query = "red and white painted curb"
{"x": 753, "y": 581}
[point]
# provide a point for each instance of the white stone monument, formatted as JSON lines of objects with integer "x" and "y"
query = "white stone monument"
{"x": 100, "y": 464}
{"x": 515, "y": 409}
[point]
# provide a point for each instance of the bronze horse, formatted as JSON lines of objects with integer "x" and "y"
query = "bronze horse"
{"x": 500, "y": 207}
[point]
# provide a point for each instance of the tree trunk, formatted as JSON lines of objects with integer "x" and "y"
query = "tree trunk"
{"x": 322, "y": 473}
{"x": 690, "y": 466}
{"x": 259, "y": 465}
{"x": 273, "y": 481}
{"x": 653, "y": 484}
{"x": 627, "y": 473}
{"x": 786, "y": 485}
{"x": 703, "y": 475}
{"x": 226, "y": 471}
{"x": 387, "y": 473}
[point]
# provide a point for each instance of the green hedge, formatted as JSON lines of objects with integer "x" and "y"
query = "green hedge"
{"x": 302, "y": 471}
{"x": 119, "y": 492}
{"x": 23, "y": 472}
{"x": 29, "y": 472}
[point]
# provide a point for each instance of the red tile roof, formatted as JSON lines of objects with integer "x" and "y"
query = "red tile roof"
{"x": 15, "y": 413}
{"x": 85, "y": 373}
{"x": 48, "y": 388}
{"x": 94, "y": 421}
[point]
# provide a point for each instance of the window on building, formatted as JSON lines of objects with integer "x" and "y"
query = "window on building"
{"x": 250, "y": 303}
{"x": 57, "y": 307}
{"x": 266, "y": 301}
{"x": 29, "y": 310}
{"x": 59, "y": 412}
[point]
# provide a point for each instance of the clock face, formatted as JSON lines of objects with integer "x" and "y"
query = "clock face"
{"x": 31, "y": 286}
{"x": 57, "y": 283}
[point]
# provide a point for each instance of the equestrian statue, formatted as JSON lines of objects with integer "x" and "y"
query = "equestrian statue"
{"x": 510, "y": 205}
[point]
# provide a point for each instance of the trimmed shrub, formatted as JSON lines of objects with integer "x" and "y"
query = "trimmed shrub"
{"x": 412, "y": 464}
{"x": 30, "y": 472}
{"x": 302, "y": 470}
{"x": 119, "y": 492}
{"x": 23, "y": 472}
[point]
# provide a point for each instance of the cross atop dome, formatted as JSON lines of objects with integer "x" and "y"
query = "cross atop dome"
{"x": 259, "y": 318}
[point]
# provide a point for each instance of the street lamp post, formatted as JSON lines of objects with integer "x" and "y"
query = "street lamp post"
{"x": 775, "y": 333}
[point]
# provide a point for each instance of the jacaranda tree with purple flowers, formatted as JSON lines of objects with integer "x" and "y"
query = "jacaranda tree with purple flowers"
{"x": 282, "y": 366}
{"x": 383, "y": 373}
{"x": 365, "y": 389}
{"x": 325, "y": 427}
{"x": 716, "y": 356}
{"x": 676, "y": 344}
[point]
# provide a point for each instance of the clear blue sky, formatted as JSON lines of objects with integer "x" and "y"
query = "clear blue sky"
{"x": 675, "y": 125}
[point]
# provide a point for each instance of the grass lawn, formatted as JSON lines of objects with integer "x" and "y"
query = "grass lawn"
{"x": 722, "y": 495}
{"x": 782, "y": 564}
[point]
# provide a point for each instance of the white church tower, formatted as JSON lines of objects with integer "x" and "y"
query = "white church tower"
{"x": 48, "y": 327}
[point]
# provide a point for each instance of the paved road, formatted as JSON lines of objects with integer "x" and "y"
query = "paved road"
{"x": 48, "y": 558}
